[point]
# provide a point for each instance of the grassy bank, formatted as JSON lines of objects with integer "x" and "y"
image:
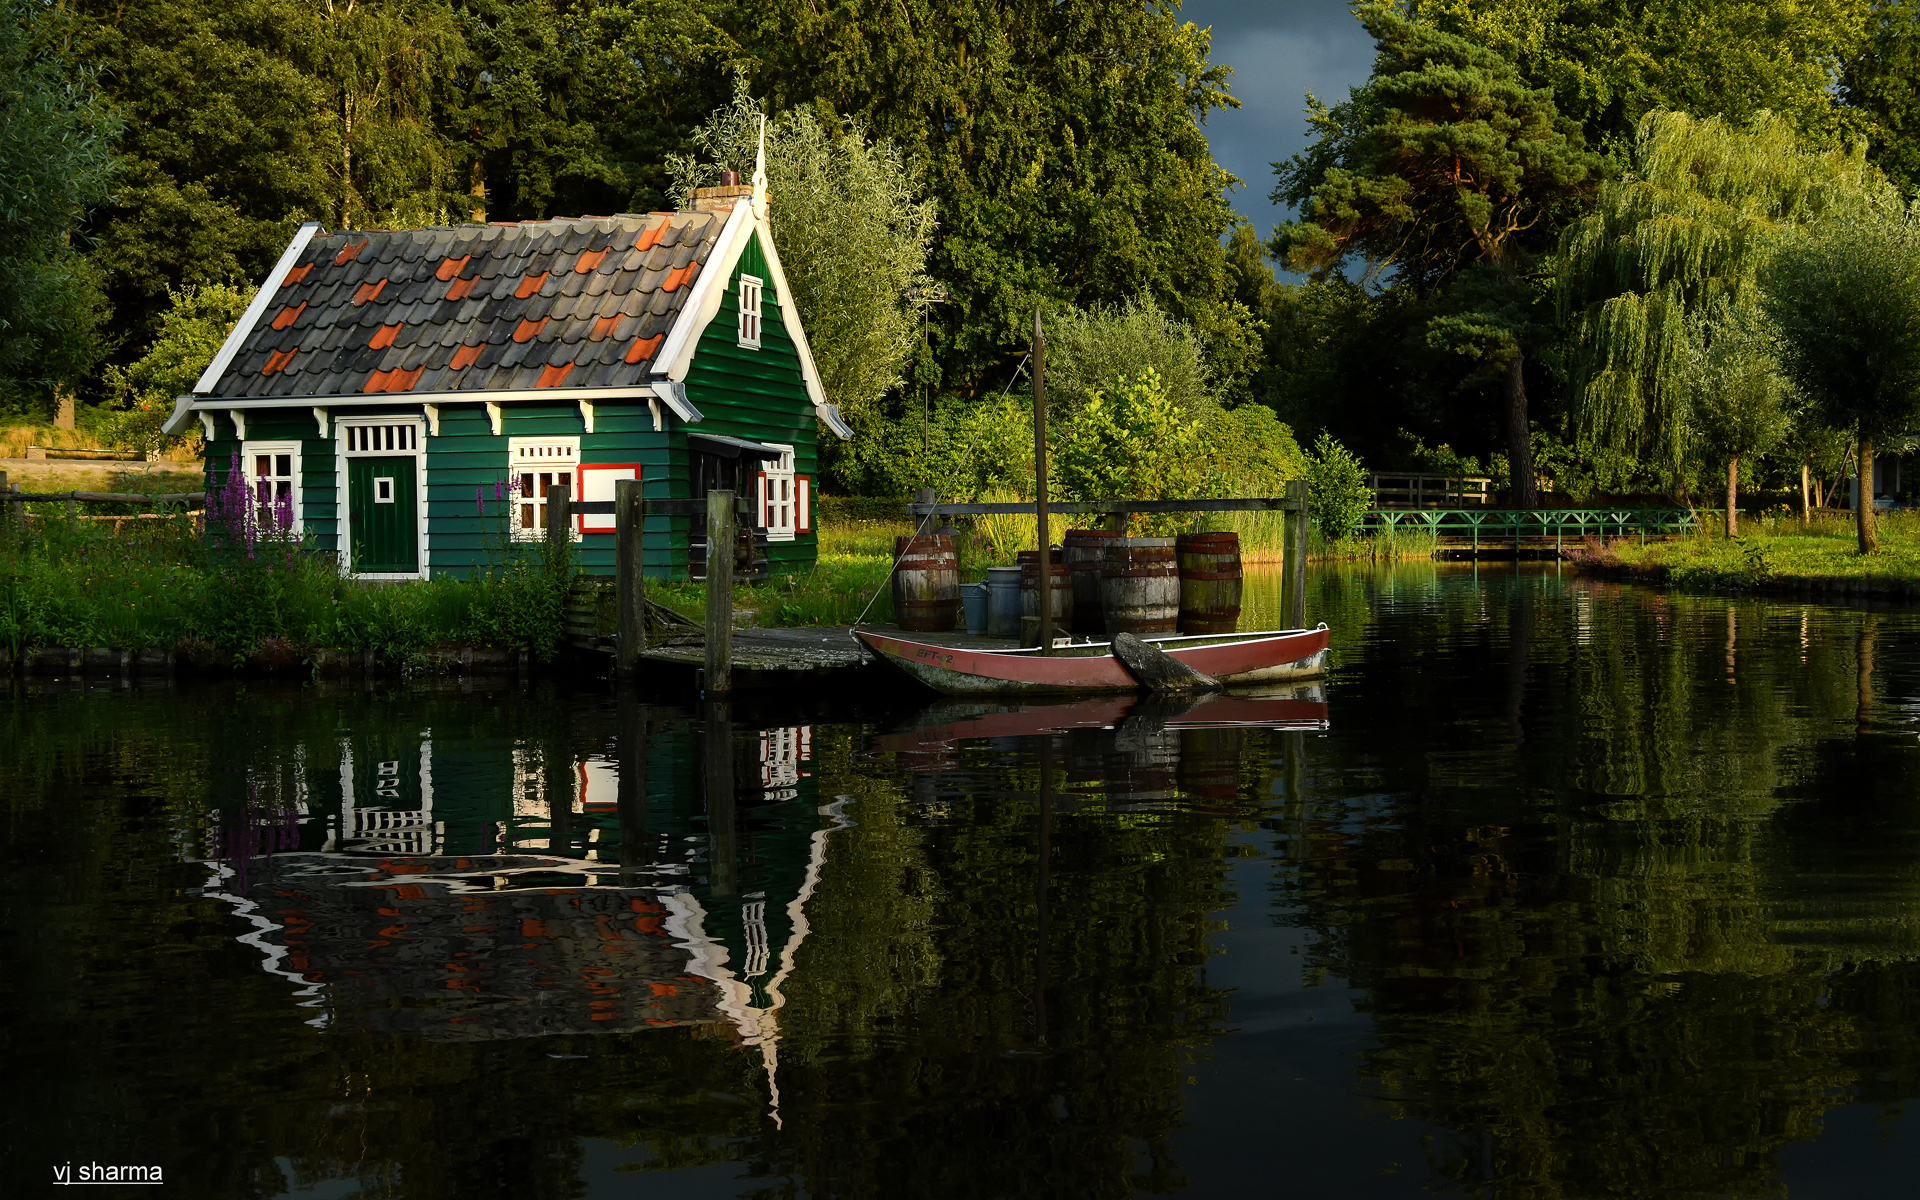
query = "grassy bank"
{"x": 158, "y": 583}
{"x": 1777, "y": 554}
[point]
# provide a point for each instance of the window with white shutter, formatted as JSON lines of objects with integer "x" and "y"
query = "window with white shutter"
{"x": 272, "y": 471}
{"x": 749, "y": 306}
{"x": 777, "y": 508}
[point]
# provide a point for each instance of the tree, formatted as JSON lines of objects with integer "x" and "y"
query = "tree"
{"x": 1882, "y": 82}
{"x": 1684, "y": 231}
{"x": 1610, "y": 62}
{"x": 1062, "y": 142}
{"x": 1846, "y": 297}
{"x": 1135, "y": 441}
{"x": 1737, "y": 393}
{"x": 1445, "y": 168}
{"x": 1091, "y": 351}
{"x": 191, "y": 333}
{"x": 54, "y": 166}
{"x": 853, "y": 230}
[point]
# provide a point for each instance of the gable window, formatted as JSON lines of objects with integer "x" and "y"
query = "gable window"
{"x": 777, "y": 508}
{"x": 749, "y": 305}
{"x": 270, "y": 473}
{"x": 537, "y": 466}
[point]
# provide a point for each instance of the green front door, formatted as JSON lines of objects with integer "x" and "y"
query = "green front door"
{"x": 383, "y": 516}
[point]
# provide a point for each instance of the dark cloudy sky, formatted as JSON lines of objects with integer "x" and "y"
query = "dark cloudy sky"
{"x": 1279, "y": 51}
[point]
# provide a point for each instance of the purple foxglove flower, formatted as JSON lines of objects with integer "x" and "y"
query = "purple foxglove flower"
{"x": 480, "y": 499}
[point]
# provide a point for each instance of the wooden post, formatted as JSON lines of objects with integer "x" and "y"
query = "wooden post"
{"x": 722, "y": 835}
{"x": 1806, "y": 488}
{"x": 719, "y": 677}
{"x": 559, "y": 523}
{"x": 635, "y": 853}
{"x": 629, "y": 540}
{"x": 560, "y": 782}
{"x": 1293, "y": 566}
{"x": 1043, "y": 590}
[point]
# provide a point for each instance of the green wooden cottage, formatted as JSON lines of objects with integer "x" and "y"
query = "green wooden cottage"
{"x": 408, "y": 398}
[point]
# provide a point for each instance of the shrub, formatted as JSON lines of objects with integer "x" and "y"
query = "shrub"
{"x": 1340, "y": 495}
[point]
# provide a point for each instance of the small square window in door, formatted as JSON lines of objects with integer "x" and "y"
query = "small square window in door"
{"x": 383, "y": 489}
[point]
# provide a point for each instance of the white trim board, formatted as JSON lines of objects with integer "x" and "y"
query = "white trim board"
{"x": 268, "y": 293}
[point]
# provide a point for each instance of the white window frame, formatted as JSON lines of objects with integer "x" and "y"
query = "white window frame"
{"x": 748, "y": 301}
{"x": 538, "y": 456}
{"x": 346, "y": 445}
{"x": 250, "y": 452}
{"x": 778, "y": 507}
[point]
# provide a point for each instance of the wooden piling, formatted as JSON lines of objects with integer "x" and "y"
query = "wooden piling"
{"x": 635, "y": 852}
{"x": 719, "y": 675}
{"x": 1293, "y": 566}
{"x": 1040, "y": 475}
{"x": 722, "y": 835}
{"x": 559, "y": 522}
{"x": 629, "y": 525}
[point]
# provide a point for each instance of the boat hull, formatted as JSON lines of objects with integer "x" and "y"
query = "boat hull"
{"x": 1281, "y": 657}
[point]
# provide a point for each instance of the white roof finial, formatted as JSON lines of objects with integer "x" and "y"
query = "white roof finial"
{"x": 760, "y": 172}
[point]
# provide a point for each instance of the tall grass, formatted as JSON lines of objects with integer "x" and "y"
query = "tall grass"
{"x": 17, "y": 436}
{"x": 165, "y": 584}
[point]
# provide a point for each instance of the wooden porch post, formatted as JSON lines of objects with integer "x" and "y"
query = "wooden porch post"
{"x": 559, "y": 522}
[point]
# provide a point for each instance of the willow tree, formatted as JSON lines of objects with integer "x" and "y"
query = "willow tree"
{"x": 1846, "y": 298}
{"x": 1687, "y": 228}
{"x": 1738, "y": 395}
{"x": 1443, "y": 169}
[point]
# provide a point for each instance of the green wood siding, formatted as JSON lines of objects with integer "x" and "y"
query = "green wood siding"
{"x": 757, "y": 394}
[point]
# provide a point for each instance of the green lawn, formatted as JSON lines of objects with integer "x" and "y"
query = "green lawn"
{"x": 1780, "y": 552}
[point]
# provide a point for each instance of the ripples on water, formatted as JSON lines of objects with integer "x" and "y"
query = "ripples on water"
{"x": 1563, "y": 888}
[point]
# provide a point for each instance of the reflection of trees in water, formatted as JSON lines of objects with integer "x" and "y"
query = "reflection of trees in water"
{"x": 903, "y": 1062}
{"x": 1621, "y": 955}
{"x": 910, "y": 1063}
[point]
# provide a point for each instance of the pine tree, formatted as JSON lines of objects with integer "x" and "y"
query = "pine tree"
{"x": 1444, "y": 169}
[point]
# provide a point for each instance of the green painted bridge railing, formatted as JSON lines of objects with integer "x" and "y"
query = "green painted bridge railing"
{"x": 1513, "y": 526}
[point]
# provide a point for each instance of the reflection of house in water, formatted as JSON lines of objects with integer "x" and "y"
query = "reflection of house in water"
{"x": 458, "y": 889}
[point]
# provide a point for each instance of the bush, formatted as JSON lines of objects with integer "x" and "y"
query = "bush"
{"x": 1340, "y": 494}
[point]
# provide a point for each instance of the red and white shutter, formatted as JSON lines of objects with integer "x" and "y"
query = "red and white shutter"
{"x": 761, "y": 499}
{"x": 803, "y": 504}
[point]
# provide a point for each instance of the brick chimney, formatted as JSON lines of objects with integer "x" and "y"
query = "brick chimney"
{"x": 720, "y": 199}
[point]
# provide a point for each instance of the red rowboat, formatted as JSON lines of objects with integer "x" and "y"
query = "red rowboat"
{"x": 1277, "y": 656}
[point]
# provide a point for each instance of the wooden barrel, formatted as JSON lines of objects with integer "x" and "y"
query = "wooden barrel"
{"x": 1062, "y": 594}
{"x": 1086, "y": 553}
{"x": 1209, "y": 582}
{"x": 926, "y": 583}
{"x": 1140, "y": 587}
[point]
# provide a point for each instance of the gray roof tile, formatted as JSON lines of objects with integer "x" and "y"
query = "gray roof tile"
{"x": 638, "y": 256}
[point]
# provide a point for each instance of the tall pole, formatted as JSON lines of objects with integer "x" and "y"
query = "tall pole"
{"x": 720, "y": 538}
{"x": 1043, "y": 589}
{"x": 629, "y": 524}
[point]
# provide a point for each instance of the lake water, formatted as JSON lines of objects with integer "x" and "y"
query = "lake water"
{"x": 1562, "y": 888}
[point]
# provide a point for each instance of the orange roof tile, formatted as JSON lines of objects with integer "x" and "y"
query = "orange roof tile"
{"x": 464, "y": 357}
{"x": 460, "y": 287}
{"x": 371, "y": 291}
{"x": 395, "y": 380}
{"x": 529, "y": 330}
{"x": 278, "y": 360}
{"x": 383, "y": 336}
{"x": 349, "y": 253}
{"x": 589, "y": 259}
{"x": 530, "y": 285}
{"x": 291, "y": 313}
{"x": 678, "y": 276}
{"x": 296, "y": 275}
{"x": 603, "y": 328}
{"x": 643, "y": 348}
{"x": 553, "y": 375}
{"x": 449, "y": 267}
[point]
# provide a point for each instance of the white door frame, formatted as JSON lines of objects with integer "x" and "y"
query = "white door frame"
{"x": 342, "y": 493}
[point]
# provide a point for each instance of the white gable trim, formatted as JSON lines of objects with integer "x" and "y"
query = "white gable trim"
{"x": 704, "y": 305}
{"x": 268, "y": 292}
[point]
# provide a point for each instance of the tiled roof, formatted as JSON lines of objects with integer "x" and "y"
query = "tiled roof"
{"x": 580, "y": 302}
